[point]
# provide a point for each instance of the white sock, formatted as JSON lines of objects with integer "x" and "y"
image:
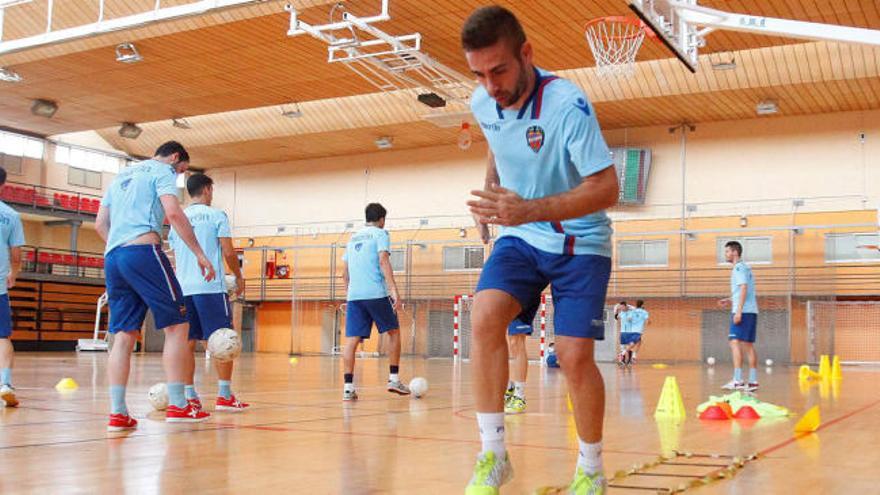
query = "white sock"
{"x": 519, "y": 389}
{"x": 635, "y": 354}
{"x": 590, "y": 457}
{"x": 393, "y": 377}
{"x": 492, "y": 433}
{"x": 348, "y": 387}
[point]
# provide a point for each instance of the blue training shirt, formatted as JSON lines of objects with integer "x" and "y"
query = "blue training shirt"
{"x": 742, "y": 275}
{"x": 133, "y": 199}
{"x": 366, "y": 280}
{"x": 546, "y": 148}
{"x": 11, "y": 235}
{"x": 210, "y": 225}
{"x": 638, "y": 318}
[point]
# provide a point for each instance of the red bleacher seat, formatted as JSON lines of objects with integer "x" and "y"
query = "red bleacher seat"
{"x": 68, "y": 259}
{"x": 42, "y": 200}
{"x": 44, "y": 258}
{"x": 29, "y": 256}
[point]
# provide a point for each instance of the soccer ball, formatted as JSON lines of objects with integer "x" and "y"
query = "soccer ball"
{"x": 418, "y": 386}
{"x": 769, "y": 362}
{"x": 224, "y": 344}
{"x": 158, "y": 396}
{"x": 710, "y": 361}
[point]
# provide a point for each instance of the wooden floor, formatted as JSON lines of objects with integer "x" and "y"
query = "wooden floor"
{"x": 300, "y": 438}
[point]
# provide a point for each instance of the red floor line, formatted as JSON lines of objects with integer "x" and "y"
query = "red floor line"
{"x": 824, "y": 425}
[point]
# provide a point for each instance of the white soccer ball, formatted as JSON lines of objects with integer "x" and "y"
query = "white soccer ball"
{"x": 158, "y": 396}
{"x": 419, "y": 387}
{"x": 769, "y": 362}
{"x": 710, "y": 361}
{"x": 224, "y": 344}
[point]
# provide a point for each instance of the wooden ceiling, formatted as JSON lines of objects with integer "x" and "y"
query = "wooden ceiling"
{"x": 227, "y": 73}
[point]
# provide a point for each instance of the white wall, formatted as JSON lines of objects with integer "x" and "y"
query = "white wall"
{"x": 742, "y": 167}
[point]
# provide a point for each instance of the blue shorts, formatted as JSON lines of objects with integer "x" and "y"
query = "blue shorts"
{"x": 627, "y": 338}
{"x": 747, "y": 330}
{"x": 578, "y": 283}
{"x": 140, "y": 277}
{"x": 360, "y": 316}
{"x": 207, "y": 313}
{"x": 5, "y": 317}
{"x": 522, "y": 325}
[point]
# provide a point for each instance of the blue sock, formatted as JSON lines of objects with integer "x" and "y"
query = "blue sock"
{"x": 117, "y": 400}
{"x": 190, "y": 391}
{"x": 738, "y": 375}
{"x": 5, "y": 376}
{"x": 225, "y": 389}
{"x": 753, "y": 375}
{"x": 176, "y": 396}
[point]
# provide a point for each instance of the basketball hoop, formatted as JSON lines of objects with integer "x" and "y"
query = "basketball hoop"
{"x": 615, "y": 41}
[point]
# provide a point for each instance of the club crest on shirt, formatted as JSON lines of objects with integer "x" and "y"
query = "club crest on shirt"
{"x": 535, "y": 137}
{"x": 358, "y": 246}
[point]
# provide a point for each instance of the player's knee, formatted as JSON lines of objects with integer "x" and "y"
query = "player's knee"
{"x": 576, "y": 356}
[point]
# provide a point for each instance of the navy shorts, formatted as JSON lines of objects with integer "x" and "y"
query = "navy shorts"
{"x": 578, "y": 283}
{"x": 627, "y": 338}
{"x": 5, "y": 317}
{"x": 360, "y": 316}
{"x": 522, "y": 324}
{"x": 207, "y": 313}
{"x": 140, "y": 277}
{"x": 747, "y": 330}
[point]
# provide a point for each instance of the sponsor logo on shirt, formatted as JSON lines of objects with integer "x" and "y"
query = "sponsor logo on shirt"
{"x": 494, "y": 126}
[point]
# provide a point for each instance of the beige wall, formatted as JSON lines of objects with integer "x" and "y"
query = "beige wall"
{"x": 820, "y": 158}
{"x": 36, "y": 233}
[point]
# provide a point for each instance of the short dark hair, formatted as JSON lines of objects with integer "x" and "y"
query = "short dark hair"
{"x": 640, "y": 303}
{"x": 2, "y": 176}
{"x": 489, "y": 24}
{"x": 736, "y": 246}
{"x": 197, "y": 183}
{"x": 171, "y": 147}
{"x": 623, "y": 302}
{"x": 375, "y": 212}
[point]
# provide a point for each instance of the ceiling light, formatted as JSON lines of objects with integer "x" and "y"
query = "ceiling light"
{"x": 433, "y": 100}
{"x": 385, "y": 142}
{"x": 292, "y": 113}
{"x": 44, "y": 108}
{"x": 181, "y": 123}
{"x": 767, "y": 107}
{"x": 9, "y": 75}
{"x": 127, "y": 53}
{"x": 129, "y": 130}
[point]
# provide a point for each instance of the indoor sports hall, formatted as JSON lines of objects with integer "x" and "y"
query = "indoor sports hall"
{"x": 748, "y": 123}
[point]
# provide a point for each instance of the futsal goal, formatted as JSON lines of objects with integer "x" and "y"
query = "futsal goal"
{"x": 844, "y": 328}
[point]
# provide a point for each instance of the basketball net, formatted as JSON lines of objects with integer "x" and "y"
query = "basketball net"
{"x": 615, "y": 41}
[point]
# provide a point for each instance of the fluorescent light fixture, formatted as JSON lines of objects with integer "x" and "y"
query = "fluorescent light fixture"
{"x": 292, "y": 113}
{"x": 127, "y": 53}
{"x": 129, "y": 130}
{"x": 385, "y": 142}
{"x": 9, "y": 75}
{"x": 10, "y": 3}
{"x": 767, "y": 107}
{"x": 44, "y": 108}
{"x": 725, "y": 65}
{"x": 181, "y": 123}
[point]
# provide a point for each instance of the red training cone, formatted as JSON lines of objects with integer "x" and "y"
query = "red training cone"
{"x": 747, "y": 412}
{"x": 714, "y": 413}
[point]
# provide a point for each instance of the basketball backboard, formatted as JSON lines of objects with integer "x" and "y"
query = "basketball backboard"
{"x": 680, "y": 37}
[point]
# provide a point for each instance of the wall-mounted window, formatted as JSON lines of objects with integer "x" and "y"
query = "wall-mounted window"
{"x": 12, "y": 164}
{"x": 844, "y": 248}
{"x": 95, "y": 161}
{"x": 463, "y": 258}
{"x": 398, "y": 260}
{"x": 83, "y": 178}
{"x": 643, "y": 253}
{"x": 757, "y": 250}
{"x": 21, "y": 146}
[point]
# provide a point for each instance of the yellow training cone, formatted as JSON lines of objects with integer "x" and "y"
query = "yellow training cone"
{"x": 824, "y": 367}
{"x": 670, "y": 404}
{"x": 806, "y": 374}
{"x": 809, "y": 422}
{"x": 836, "y": 373}
{"x": 66, "y": 385}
